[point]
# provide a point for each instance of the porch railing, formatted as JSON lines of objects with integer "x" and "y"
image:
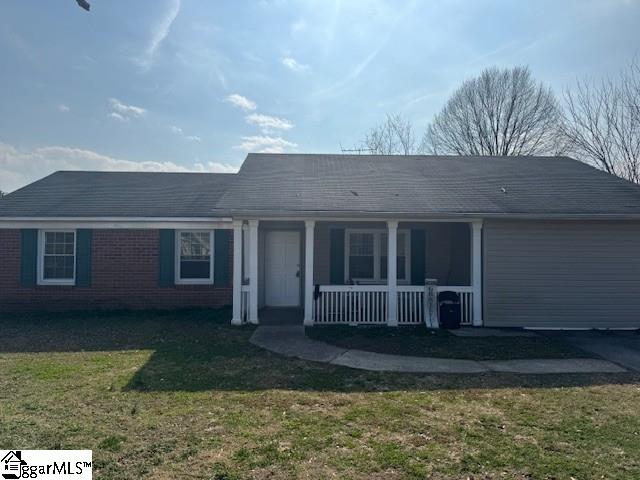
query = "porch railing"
{"x": 351, "y": 304}
{"x": 367, "y": 304}
{"x": 466, "y": 302}
{"x": 410, "y": 305}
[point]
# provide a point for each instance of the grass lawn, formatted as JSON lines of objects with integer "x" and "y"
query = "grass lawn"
{"x": 422, "y": 342}
{"x": 173, "y": 395}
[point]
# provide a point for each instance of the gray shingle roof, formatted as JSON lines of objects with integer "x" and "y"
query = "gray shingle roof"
{"x": 335, "y": 185}
{"x": 272, "y": 184}
{"x": 118, "y": 194}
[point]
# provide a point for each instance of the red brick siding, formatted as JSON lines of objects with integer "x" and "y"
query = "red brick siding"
{"x": 124, "y": 274}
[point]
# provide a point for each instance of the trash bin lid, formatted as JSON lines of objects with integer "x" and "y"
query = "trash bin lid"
{"x": 449, "y": 296}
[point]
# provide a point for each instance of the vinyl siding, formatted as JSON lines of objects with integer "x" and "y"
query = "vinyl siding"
{"x": 561, "y": 274}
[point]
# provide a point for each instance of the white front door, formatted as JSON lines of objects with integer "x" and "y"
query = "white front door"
{"x": 282, "y": 269}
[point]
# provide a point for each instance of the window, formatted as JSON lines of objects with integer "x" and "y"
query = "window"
{"x": 194, "y": 259}
{"x": 361, "y": 255}
{"x": 366, "y": 257}
{"x": 57, "y": 258}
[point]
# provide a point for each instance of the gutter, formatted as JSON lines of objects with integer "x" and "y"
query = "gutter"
{"x": 383, "y": 216}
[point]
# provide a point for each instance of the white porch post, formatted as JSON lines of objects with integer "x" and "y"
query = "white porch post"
{"x": 236, "y": 318}
{"x": 253, "y": 271}
{"x": 309, "y": 227}
{"x": 476, "y": 271}
{"x": 392, "y": 274}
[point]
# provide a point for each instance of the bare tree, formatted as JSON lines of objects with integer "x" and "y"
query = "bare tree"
{"x": 500, "y": 112}
{"x": 602, "y": 123}
{"x": 2, "y": 194}
{"x": 394, "y": 136}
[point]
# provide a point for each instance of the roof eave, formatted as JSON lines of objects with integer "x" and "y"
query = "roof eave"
{"x": 273, "y": 214}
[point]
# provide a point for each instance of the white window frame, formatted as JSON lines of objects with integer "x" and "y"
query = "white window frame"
{"x": 178, "y": 244}
{"x": 378, "y": 254}
{"x": 41, "y": 250}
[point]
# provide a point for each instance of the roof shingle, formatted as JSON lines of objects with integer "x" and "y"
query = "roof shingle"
{"x": 426, "y": 185}
{"x": 339, "y": 185}
{"x": 118, "y": 194}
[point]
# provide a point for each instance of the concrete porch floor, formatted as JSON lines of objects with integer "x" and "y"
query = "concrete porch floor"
{"x": 270, "y": 316}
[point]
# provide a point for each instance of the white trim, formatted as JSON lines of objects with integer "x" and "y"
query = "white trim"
{"x": 309, "y": 235}
{"x": 324, "y": 215}
{"x": 177, "y": 254}
{"x": 378, "y": 218}
{"x": 117, "y": 219}
{"x": 253, "y": 271}
{"x": 139, "y": 223}
{"x": 476, "y": 272}
{"x": 392, "y": 272}
{"x": 377, "y": 254}
{"x": 40, "y": 259}
{"x": 236, "y": 318}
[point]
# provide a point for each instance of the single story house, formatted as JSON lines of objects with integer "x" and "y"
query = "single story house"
{"x": 541, "y": 242}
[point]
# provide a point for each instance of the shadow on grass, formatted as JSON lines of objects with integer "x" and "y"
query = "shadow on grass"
{"x": 197, "y": 350}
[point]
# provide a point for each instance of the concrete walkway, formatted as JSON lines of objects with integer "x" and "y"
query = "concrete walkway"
{"x": 622, "y": 348}
{"x": 292, "y": 342}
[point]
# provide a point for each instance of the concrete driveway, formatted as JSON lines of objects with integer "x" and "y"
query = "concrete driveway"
{"x": 620, "y": 347}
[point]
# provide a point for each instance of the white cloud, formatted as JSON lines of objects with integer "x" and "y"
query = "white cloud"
{"x": 265, "y": 144}
{"x": 20, "y": 167}
{"x": 117, "y": 116}
{"x": 158, "y": 33}
{"x": 267, "y": 123}
{"x": 63, "y": 108}
{"x": 125, "y": 112}
{"x": 293, "y": 65}
{"x": 241, "y": 102}
{"x": 180, "y": 132}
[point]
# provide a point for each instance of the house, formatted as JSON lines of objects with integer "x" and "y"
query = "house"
{"x": 542, "y": 242}
{"x": 12, "y": 463}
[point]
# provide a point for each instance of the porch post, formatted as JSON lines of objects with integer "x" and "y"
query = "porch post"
{"x": 253, "y": 271}
{"x": 236, "y": 318}
{"x": 309, "y": 227}
{"x": 392, "y": 277}
{"x": 476, "y": 271}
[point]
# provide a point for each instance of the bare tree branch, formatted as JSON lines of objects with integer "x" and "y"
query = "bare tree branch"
{"x": 500, "y": 112}
{"x": 394, "y": 136}
{"x": 602, "y": 123}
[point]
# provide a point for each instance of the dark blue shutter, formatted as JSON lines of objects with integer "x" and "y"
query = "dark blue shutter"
{"x": 336, "y": 249}
{"x": 83, "y": 257}
{"x": 221, "y": 257}
{"x": 418, "y": 260}
{"x": 166, "y": 257}
{"x": 28, "y": 257}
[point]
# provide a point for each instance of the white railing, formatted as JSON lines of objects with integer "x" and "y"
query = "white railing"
{"x": 244, "y": 303}
{"x": 410, "y": 305}
{"x": 351, "y": 304}
{"x": 367, "y": 304}
{"x": 466, "y": 302}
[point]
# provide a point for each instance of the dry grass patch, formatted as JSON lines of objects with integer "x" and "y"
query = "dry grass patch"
{"x": 165, "y": 395}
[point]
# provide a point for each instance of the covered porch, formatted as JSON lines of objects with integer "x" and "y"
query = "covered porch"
{"x": 342, "y": 271}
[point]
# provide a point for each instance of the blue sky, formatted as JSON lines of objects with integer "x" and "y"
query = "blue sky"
{"x": 194, "y": 85}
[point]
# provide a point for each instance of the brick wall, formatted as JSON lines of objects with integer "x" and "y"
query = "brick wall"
{"x": 124, "y": 274}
